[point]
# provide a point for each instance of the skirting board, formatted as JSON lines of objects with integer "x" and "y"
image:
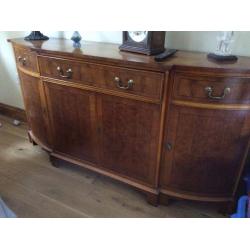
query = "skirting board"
{"x": 13, "y": 112}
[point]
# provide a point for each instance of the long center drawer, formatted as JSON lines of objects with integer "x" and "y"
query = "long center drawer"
{"x": 138, "y": 82}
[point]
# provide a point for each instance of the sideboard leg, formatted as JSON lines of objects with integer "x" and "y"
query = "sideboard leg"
{"x": 54, "y": 161}
{"x": 164, "y": 199}
{"x": 153, "y": 199}
{"x": 31, "y": 140}
{"x": 227, "y": 208}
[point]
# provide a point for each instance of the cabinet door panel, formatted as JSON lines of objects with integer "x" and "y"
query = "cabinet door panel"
{"x": 72, "y": 114}
{"x": 32, "y": 90}
{"x": 205, "y": 150}
{"x": 130, "y": 137}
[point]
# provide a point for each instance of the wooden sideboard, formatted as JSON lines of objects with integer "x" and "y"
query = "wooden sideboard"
{"x": 178, "y": 128}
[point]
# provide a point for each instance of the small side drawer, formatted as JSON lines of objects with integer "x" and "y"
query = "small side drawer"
{"x": 26, "y": 59}
{"x": 198, "y": 88}
{"x": 138, "y": 82}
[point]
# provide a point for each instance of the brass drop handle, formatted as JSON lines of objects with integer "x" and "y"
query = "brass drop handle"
{"x": 68, "y": 74}
{"x": 121, "y": 86}
{"x": 22, "y": 60}
{"x": 210, "y": 95}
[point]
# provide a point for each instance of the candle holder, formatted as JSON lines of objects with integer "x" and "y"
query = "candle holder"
{"x": 35, "y": 36}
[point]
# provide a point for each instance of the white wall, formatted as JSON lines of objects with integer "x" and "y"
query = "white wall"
{"x": 10, "y": 92}
{"x": 187, "y": 40}
{"x": 9, "y": 83}
{"x": 206, "y": 41}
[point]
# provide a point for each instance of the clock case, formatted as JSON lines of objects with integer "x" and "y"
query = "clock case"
{"x": 153, "y": 44}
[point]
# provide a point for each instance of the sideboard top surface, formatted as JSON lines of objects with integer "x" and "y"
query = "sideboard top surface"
{"x": 110, "y": 53}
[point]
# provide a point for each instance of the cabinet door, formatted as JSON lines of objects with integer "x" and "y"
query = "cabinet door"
{"x": 33, "y": 95}
{"x": 129, "y": 137}
{"x": 73, "y": 119}
{"x": 204, "y": 150}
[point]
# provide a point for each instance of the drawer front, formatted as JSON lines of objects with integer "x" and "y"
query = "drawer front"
{"x": 138, "y": 82}
{"x": 26, "y": 59}
{"x": 235, "y": 90}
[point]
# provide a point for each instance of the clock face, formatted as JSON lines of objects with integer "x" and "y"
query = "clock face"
{"x": 138, "y": 36}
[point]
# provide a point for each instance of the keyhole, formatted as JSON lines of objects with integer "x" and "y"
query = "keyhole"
{"x": 169, "y": 146}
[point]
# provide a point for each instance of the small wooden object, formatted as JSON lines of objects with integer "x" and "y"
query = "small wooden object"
{"x": 222, "y": 58}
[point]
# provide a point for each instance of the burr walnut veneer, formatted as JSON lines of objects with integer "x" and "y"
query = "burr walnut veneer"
{"x": 179, "y": 128}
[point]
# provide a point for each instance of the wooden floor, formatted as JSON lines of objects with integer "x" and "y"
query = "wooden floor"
{"x": 33, "y": 188}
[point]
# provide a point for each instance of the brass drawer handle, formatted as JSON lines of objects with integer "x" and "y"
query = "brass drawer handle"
{"x": 121, "y": 86}
{"x": 22, "y": 60}
{"x": 209, "y": 91}
{"x": 68, "y": 74}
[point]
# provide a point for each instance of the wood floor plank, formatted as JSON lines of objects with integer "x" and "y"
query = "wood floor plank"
{"x": 32, "y": 187}
{"x": 7, "y": 125}
{"x": 30, "y": 204}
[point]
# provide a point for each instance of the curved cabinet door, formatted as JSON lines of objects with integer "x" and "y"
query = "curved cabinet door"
{"x": 204, "y": 151}
{"x": 73, "y": 118}
{"x": 129, "y": 137}
{"x": 34, "y": 101}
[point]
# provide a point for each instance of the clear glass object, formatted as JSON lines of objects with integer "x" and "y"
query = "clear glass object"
{"x": 138, "y": 36}
{"x": 224, "y": 43}
{"x": 76, "y": 38}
